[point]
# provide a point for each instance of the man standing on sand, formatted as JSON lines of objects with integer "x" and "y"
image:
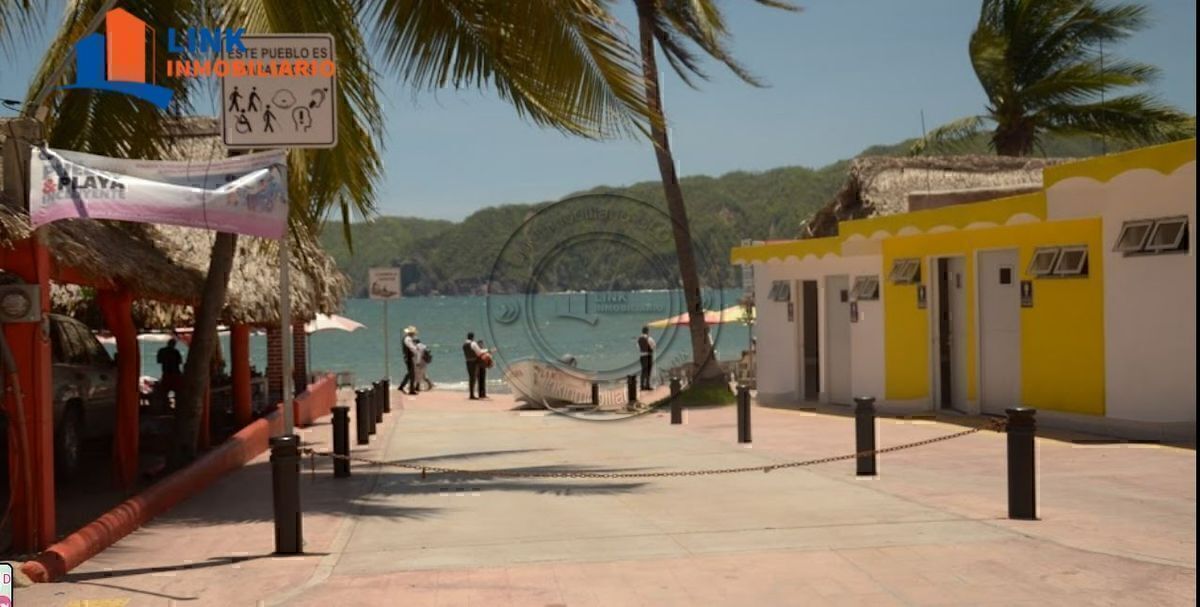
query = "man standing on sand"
{"x": 410, "y": 352}
{"x": 646, "y": 347}
{"x": 472, "y": 352}
{"x": 421, "y": 362}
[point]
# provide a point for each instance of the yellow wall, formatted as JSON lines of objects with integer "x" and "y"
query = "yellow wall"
{"x": 1062, "y": 335}
{"x": 1162, "y": 158}
{"x": 997, "y": 211}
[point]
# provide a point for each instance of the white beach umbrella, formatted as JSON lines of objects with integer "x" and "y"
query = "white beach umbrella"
{"x": 335, "y": 322}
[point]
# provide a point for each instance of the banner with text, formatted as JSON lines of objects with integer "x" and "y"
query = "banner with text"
{"x": 243, "y": 195}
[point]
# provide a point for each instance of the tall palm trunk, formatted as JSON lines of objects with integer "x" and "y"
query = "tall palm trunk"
{"x": 702, "y": 353}
{"x": 196, "y": 372}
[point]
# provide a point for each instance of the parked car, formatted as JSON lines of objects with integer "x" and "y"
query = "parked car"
{"x": 84, "y": 392}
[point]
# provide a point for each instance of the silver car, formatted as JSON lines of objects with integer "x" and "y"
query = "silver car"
{"x": 85, "y": 390}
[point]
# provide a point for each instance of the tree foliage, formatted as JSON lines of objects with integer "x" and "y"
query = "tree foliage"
{"x": 1042, "y": 66}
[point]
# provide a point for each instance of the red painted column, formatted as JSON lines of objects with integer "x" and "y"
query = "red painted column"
{"x": 117, "y": 308}
{"x": 274, "y": 364}
{"x": 30, "y": 440}
{"x": 239, "y": 360}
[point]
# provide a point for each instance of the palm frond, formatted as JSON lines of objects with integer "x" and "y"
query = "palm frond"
{"x": 950, "y": 137}
{"x": 1141, "y": 119}
{"x": 700, "y": 22}
{"x": 16, "y": 16}
{"x": 561, "y": 63}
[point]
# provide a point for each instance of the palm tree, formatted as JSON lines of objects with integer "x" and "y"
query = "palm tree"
{"x": 561, "y": 63}
{"x": 1041, "y": 66}
{"x": 672, "y": 25}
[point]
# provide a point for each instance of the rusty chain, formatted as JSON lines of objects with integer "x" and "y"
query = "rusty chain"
{"x": 996, "y": 425}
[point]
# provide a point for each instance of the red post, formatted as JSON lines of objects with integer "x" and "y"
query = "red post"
{"x": 239, "y": 359}
{"x": 299, "y": 356}
{"x": 117, "y": 308}
{"x": 32, "y": 460}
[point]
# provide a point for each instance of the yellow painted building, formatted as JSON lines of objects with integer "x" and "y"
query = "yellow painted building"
{"x": 1077, "y": 300}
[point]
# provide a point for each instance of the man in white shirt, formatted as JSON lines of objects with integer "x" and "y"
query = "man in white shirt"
{"x": 646, "y": 347}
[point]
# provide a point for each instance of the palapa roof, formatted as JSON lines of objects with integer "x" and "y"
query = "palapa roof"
{"x": 166, "y": 265}
{"x": 881, "y": 185}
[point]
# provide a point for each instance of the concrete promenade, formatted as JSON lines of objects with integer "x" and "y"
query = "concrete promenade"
{"x": 1118, "y": 520}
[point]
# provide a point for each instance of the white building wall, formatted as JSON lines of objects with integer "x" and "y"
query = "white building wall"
{"x": 1149, "y": 301}
{"x": 778, "y": 356}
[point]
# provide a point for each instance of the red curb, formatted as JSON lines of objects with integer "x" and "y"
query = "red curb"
{"x": 131, "y": 514}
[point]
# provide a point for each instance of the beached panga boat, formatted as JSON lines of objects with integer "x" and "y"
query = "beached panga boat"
{"x": 539, "y": 382}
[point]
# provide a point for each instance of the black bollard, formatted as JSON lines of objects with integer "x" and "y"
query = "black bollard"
{"x": 743, "y": 413}
{"x": 362, "y": 416}
{"x": 380, "y": 395}
{"x": 387, "y": 396}
{"x": 595, "y": 394}
{"x": 631, "y": 387}
{"x": 285, "y": 491}
{"x": 341, "y": 441}
{"x": 1022, "y": 427}
{"x": 372, "y": 403}
{"x": 864, "y": 434}
{"x": 676, "y": 405}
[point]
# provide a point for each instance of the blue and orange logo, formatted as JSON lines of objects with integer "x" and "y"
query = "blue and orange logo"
{"x": 116, "y": 60}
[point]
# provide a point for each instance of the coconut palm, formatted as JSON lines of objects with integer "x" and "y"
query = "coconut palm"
{"x": 675, "y": 26}
{"x": 1040, "y": 64}
{"x": 560, "y": 63}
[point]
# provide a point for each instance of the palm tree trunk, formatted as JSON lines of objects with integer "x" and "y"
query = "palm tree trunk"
{"x": 707, "y": 371}
{"x": 196, "y": 372}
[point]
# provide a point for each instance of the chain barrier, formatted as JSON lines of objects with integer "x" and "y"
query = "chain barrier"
{"x": 996, "y": 425}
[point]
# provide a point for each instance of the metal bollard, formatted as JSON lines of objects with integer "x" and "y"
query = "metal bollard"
{"x": 631, "y": 387}
{"x": 341, "y": 441}
{"x": 1022, "y": 497}
{"x": 387, "y": 396}
{"x": 743, "y": 413}
{"x": 864, "y": 434}
{"x": 372, "y": 403}
{"x": 595, "y": 394}
{"x": 380, "y": 395}
{"x": 362, "y": 416}
{"x": 285, "y": 493}
{"x": 676, "y": 405}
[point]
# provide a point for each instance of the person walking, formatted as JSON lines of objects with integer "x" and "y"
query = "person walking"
{"x": 646, "y": 347}
{"x": 410, "y": 351}
{"x": 421, "y": 360}
{"x": 171, "y": 362}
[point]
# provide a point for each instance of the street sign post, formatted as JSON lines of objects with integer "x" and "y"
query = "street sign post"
{"x": 291, "y": 102}
{"x": 384, "y": 283}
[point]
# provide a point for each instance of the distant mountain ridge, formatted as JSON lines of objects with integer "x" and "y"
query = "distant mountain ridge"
{"x": 446, "y": 257}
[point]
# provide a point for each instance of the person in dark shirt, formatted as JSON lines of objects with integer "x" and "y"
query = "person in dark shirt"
{"x": 171, "y": 362}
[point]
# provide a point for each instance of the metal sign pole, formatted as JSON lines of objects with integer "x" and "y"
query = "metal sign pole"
{"x": 285, "y": 322}
{"x": 387, "y": 360}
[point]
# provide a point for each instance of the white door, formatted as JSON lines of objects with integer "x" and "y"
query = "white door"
{"x": 956, "y": 284}
{"x": 999, "y": 331}
{"x": 837, "y": 344}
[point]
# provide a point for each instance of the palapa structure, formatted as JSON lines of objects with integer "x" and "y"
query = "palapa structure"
{"x": 885, "y": 185}
{"x": 132, "y": 277}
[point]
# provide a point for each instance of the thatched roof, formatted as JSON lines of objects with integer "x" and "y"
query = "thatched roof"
{"x": 881, "y": 185}
{"x": 167, "y": 264}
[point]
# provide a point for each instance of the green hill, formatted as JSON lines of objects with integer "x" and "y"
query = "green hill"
{"x": 455, "y": 257}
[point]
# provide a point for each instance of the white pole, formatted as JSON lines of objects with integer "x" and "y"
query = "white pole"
{"x": 387, "y": 360}
{"x": 285, "y": 322}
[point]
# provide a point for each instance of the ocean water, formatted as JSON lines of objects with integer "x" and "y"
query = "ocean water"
{"x": 598, "y": 329}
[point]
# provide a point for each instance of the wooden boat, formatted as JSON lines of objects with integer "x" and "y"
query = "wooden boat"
{"x": 541, "y": 383}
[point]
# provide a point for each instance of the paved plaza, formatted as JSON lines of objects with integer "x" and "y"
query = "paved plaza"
{"x": 1118, "y": 521}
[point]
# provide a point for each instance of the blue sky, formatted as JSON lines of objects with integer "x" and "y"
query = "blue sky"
{"x": 844, "y": 74}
